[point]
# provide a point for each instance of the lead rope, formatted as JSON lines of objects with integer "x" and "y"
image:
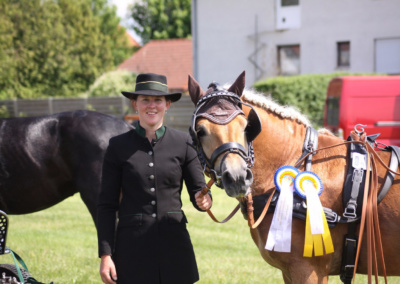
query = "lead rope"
{"x": 204, "y": 191}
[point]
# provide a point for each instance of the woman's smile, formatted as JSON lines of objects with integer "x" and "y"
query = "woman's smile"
{"x": 151, "y": 110}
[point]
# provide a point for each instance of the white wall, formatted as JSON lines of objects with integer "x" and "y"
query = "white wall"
{"x": 225, "y": 36}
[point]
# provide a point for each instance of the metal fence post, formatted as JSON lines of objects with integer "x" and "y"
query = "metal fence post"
{"x": 50, "y": 101}
{"x": 15, "y": 107}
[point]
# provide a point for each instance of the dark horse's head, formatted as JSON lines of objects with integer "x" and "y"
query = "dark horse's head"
{"x": 223, "y": 135}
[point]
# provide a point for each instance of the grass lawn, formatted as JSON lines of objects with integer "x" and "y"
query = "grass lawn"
{"x": 59, "y": 244}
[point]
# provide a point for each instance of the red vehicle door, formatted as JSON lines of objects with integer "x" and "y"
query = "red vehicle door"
{"x": 370, "y": 100}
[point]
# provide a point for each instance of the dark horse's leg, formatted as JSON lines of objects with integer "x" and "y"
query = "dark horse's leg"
{"x": 88, "y": 177}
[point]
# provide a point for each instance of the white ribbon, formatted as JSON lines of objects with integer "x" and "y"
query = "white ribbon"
{"x": 280, "y": 232}
{"x": 314, "y": 207}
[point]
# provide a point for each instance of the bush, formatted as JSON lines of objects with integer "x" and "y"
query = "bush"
{"x": 4, "y": 113}
{"x": 305, "y": 92}
{"x": 112, "y": 83}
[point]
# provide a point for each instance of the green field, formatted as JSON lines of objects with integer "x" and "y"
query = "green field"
{"x": 59, "y": 244}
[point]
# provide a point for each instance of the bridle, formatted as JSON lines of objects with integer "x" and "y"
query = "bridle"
{"x": 253, "y": 128}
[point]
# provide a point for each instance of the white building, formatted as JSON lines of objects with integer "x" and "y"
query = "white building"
{"x": 285, "y": 37}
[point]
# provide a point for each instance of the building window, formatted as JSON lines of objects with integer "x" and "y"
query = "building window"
{"x": 289, "y": 59}
{"x": 288, "y": 14}
{"x": 387, "y": 56}
{"x": 343, "y": 54}
{"x": 285, "y": 3}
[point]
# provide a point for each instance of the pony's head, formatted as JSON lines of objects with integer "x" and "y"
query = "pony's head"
{"x": 223, "y": 135}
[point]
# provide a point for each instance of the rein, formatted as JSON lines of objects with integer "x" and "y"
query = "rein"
{"x": 250, "y": 209}
{"x": 369, "y": 216}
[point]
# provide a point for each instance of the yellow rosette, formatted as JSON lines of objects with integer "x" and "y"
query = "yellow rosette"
{"x": 309, "y": 186}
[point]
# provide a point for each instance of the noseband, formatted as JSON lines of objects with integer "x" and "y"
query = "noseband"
{"x": 229, "y": 147}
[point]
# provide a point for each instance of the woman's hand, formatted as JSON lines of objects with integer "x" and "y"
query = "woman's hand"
{"x": 107, "y": 270}
{"x": 204, "y": 202}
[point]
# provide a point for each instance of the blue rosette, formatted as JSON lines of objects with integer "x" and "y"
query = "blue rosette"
{"x": 283, "y": 172}
{"x": 310, "y": 177}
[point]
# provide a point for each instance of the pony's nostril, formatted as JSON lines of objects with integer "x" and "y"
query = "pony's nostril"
{"x": 249, "y": 177}
{"x": 227, "y": 178}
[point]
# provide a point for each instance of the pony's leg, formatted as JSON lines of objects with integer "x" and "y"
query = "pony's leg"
{"x": 307, "y": 274}
{"x": 286, "y": 278}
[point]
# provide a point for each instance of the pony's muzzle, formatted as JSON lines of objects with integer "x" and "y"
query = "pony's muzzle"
{"x": 237, "y": 183}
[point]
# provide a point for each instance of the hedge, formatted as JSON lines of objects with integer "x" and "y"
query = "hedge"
{"x": 305, "y": 92}
{"x": 112, "y": 83}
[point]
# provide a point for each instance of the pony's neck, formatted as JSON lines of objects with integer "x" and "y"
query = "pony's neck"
{"x": 280, "y": 143}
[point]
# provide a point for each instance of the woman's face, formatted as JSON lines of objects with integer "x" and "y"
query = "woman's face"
{"x": 151, "y": 110}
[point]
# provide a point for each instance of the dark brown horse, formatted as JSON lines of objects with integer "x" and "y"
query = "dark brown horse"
{"x": 45, "y": 159}
{"x": 280, "y": 143}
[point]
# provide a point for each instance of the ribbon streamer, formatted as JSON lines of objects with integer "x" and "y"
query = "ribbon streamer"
{"x": 317, "y": 230}
{"x": 280, "y": 232}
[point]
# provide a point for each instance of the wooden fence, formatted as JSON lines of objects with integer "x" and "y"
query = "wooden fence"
{"x": 178, "y": 116}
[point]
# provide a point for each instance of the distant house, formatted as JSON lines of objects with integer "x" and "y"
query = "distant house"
{"x": 170, "y": 57}
{"x": 288, "y": 37}
{"x": 131, "y": 41}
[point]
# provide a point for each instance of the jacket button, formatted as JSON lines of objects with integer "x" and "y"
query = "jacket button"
{"x": 152, "y": 189}
{"x": 151, "y": 177}
{"x": 150, "y": 153}
{"x": 151, "y": 165}
{"x": 154, "y": 215}
{"x": 153, "y": 202}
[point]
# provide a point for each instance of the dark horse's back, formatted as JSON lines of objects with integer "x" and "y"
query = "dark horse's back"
{"x": 45, "y": 159}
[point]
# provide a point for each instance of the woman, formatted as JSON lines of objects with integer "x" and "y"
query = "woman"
{"x": 143, "y": 173}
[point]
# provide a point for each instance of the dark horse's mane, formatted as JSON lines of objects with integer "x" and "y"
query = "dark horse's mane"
{"x": 45, "y": 159}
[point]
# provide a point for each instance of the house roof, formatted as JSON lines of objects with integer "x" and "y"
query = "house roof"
{"x": 170, "y": 57}
{"x": 131, "y": 40}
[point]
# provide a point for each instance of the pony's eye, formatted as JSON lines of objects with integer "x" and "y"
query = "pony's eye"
{"x": 201, "y": 132}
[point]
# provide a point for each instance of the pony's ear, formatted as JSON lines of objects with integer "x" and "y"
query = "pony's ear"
{"x": 239, "y": 84}
{"x": 195, "y": 91}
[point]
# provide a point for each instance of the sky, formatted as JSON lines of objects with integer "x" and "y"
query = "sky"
{"x": 122, "y": 6}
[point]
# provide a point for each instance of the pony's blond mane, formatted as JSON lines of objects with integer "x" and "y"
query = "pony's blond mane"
{"x": 267, "y": 103}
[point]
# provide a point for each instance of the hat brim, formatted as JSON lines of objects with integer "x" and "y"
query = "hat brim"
{"x": 170, "y": 96}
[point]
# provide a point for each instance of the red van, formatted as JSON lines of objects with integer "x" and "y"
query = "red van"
{"x": 370, "y": 100}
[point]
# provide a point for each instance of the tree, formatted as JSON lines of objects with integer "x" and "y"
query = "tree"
{"x": 162, "y": 19}
{"x": 56, "y": 47}
{"x": 109, "y": 26}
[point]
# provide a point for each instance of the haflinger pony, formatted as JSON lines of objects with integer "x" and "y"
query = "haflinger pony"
{"x": 227, "y": 134}
{"x": 46, "y": 159}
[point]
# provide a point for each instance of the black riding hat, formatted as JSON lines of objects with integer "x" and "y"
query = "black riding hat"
{"x": 150, "y": 84}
